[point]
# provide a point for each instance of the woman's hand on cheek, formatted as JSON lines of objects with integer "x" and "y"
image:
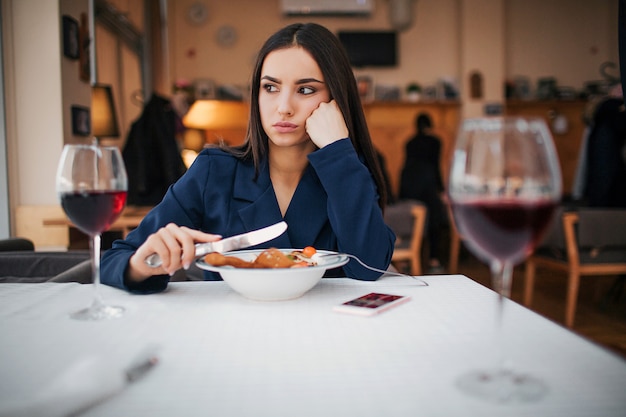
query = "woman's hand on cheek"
{"x": 175, "y": 246}
{"x": 326, "y": 124}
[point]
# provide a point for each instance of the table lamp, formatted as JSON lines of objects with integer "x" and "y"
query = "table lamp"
{"x": 220, "y": 120}
{"x": 103, "y": 117}
{"x": 216, "y": 115}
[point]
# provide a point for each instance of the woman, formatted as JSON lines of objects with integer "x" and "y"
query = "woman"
{"x": 308, "y": 159}
{"x": 421, "y": 180}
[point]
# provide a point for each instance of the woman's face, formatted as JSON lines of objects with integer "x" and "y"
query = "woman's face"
{"x": 292, "y": 87}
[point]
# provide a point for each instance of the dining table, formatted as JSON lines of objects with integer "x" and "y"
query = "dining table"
{"x": 202, "y": 349}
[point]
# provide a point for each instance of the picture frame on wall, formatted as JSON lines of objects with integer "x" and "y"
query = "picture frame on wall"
{"x": 81, "y": 121}
{"x": 71, "y": 45}
{"x": 84, "y": 42}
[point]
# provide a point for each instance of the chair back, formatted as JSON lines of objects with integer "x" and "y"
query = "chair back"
{"x": 595, "y": 242}
{"x": 399, "y": 218}
{"x": 554, "y": 236}
{"x": 407, "y": 218}
{"x": 13, "y": 244}
{"x": 601, "y": 227}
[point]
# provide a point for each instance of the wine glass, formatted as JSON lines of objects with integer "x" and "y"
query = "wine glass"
{"x": 92, "y": 185}
{"x": 504, "y": 187}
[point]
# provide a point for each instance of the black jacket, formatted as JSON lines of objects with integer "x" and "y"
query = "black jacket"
{"x": 151, "y": 154}
{"x": 421, "y": 174}
{"x": 606, "y": 168}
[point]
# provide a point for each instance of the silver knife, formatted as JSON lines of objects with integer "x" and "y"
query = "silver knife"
{"x": 231, "y": 243}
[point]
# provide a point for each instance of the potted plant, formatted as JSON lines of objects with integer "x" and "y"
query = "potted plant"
{"x": 413, "y": 91}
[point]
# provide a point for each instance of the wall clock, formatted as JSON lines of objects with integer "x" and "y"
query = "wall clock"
{"x": 197, "y": 13}
{"x": 226, "y": 35}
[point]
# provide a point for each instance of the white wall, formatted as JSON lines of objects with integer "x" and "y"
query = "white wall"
{"x": 568, "y": 39}
{"x": 37, "y": 132}
{"x": 482, "y": 51}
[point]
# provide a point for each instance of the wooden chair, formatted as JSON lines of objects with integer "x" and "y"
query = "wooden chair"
{"x": 407, "y": 219}
{"x": 585, "y": 242}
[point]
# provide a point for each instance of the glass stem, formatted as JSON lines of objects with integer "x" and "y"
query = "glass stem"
{"x": 95, "y": 269}
{"x": 501, "y": 277}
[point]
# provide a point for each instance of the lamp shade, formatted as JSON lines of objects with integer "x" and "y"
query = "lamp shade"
{"x": 103, "y": 117}
{"x": 216, "y": 115}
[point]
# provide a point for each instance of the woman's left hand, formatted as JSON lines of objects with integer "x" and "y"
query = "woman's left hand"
{"x": 326, "y": 124}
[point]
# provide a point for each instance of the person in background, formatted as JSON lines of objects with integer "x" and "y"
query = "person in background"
{"x": 605, "y": 153}
{"x": 421, "y": 180}
{"x": 308, "y": 160}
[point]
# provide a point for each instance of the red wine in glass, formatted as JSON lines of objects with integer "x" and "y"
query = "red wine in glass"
{"x": 505, "y": 229}
{"x": 93, "y": 212}
{"x": 504, "y": 186}
{"x": 92, "y": 186}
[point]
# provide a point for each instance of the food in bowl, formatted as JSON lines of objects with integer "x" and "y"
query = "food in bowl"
{"x": 274, "y": 284}
{"x": 269, "y": 258}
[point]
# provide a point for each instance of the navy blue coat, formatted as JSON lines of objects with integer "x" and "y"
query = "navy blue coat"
{"x": 335, "y": 207}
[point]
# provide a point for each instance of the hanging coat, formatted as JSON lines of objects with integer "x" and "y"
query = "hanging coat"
{"x": 151, "y": 154}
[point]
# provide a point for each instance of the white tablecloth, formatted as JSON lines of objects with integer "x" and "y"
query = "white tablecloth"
{"x": 223, "y": 355}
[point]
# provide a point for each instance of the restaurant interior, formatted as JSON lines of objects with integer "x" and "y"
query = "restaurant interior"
{"x": 454, "y": 59}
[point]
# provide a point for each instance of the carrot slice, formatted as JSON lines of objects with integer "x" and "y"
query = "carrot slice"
{"x": 309, "y": 251}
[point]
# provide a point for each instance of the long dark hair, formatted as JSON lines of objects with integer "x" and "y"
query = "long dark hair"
{"x": 333, "y": 61}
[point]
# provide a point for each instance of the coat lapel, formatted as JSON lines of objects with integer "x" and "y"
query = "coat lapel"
{"x": 257, "y": 206}
{"x": 305, "y": 217}
{"x": 307, "y": 212}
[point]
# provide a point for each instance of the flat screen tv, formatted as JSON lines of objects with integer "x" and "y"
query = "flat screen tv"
{"x": 370, "y": 48}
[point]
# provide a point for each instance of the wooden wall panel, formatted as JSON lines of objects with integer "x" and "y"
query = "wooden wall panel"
{"x": 392, "y": 124}
{"x": 568, "y": 143}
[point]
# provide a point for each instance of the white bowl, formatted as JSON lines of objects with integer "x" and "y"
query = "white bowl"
{"x": 274, "y": 284}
